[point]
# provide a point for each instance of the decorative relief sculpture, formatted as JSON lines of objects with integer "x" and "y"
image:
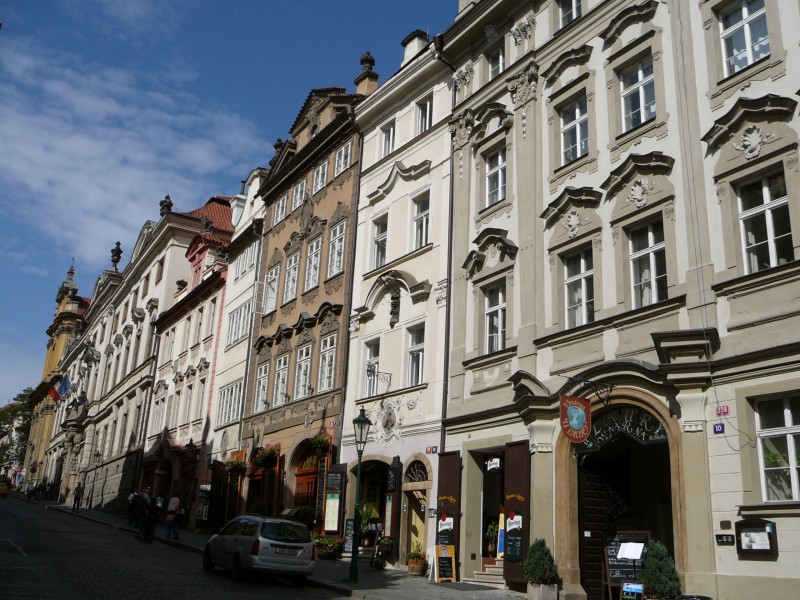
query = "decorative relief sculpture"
{"x": 394, "y": 308}
{"x": 491, "y": 33}
{"x": 523, "y": 30}
{"x": 463, "y": 76}
{"x": 639, "y": 191}
{"x": 572, "y": 222}
{"x": 355, "y": 322}
{"x": 752, "y": 139}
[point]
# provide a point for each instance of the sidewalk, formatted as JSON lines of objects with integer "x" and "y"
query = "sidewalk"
{"x": 389, "y": 584}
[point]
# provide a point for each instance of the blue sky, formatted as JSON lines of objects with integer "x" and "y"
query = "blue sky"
{"x": 108, "y": 105}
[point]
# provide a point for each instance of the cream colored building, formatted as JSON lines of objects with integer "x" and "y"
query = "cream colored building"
{"x": 398, "y": 333}
{"x": 641, "y": 255}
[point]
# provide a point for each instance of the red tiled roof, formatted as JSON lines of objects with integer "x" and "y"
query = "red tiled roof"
{"x": 218, "y": 210}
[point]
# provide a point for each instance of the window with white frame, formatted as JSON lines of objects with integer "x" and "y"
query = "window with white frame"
{"x": 778, "y": 424}
{"x": 312, "y": 264}
{"x": 230, "y": 402}
{"x": 648, "y": 264}
{"x": 497, "y": 62}
{"x": 320, "y": 177}
{"x": 387, "y": 139}
{"x": 327, "y": 362}
{"x": 744, "y": 35}
{"x": 280, "y": 391}
{"x": 262, "y": 381}
{"x": 422, "y": 206}
{"x": 574, "y": 130}
{"x": 271, "y": 289}
{"x": 342, "y": 160}
{"x": 239, "y": 323}
{"x": 380, "y": 233}
{"x": 201, "y": 396}
{"x": 638, "y": 90}
{"x": 245, "y": 261}
{"x": 302, "y": 374}
{"x": 424, "y": 114}
{"x": 336, "y": 250}
{"x": 290, "y": 284}
{"x": 372, "y": 367}
{"x": 495, "y": 298}
{"x": 280, "y": 210}
{"x": 764, "y": 218}
{"x": 416, "y": 355}
{"x": 198, "y": 334}
{"x": 298, "y": 194}
{"x": 495, "y": 177}
{"x": 212, "y": 315}
{"x": 569, "y": 10}
{"x": 579, "y": 288}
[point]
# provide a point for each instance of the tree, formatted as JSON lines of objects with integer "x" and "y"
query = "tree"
{"x": 15, "y": 427}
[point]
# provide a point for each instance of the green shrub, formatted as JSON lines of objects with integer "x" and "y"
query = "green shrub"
{"x": 306, "y": 514}
{"x": 658, "y": 572}
{"x": 540, "y": 566}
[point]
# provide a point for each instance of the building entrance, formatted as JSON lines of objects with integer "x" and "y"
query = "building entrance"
{"x": 624, "y": 484}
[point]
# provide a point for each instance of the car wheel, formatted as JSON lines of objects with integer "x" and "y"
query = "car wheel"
{"x": 236, "y": 568}
{"x": 208, "y": 562}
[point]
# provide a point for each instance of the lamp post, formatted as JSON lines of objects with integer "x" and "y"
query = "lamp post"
{"x": 97, "y": 457}
{"x": 361, "y": 425}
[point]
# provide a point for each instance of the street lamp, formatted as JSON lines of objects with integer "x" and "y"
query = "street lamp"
{"x": 97, "y": 457}
{"x": 361, "y": 425}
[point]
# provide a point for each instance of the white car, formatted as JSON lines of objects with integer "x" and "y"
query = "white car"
{"x": 262, "y": 545}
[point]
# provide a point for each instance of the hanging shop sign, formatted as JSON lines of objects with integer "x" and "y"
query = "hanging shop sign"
{"x": 576, "y": 418}
{"x": 445, "y": 534}
{"x": 633, "y": 421}
{"x": 513, "y": 550}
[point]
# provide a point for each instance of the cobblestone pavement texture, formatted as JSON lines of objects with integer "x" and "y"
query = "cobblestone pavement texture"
{"x": 372, "y": 584}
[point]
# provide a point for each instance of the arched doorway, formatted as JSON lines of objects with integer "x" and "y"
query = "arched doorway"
{"x": 624, "y": 485}
{"x": 416, "y": 488}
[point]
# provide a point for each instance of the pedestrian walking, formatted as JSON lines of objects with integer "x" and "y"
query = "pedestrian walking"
{"x": 31, "y": 490}
{"x": 133, "y": 501}
{"x": 171, "y": 523}
{"x": 76, "y": 497}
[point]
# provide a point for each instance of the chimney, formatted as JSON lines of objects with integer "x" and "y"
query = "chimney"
{"x": 414, "y": 43}
{"x": 367, "y": 81}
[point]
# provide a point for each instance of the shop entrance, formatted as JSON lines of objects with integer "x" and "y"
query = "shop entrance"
{"x": 624, "y": 484}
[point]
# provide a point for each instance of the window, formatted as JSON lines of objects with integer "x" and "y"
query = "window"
{"x": 497, "y": 63}
{"x": 743, "y": 29}
{"x": 778, "y": 422}
{"x": 201, "y": 395}
{"x": 421, "y": 220}
{"x": 302, "y": 377}
{"x": 387, "y": 139}
{"x": 290, "y": 285}
{"x": 230, "y": 402}
{"x": 298, "y": 194}
{"x": 416, "y": 355}
{"x": 280, "y": 211}
{"x": 495, "y": 297}
{"x": 262, "y": 379}
{"x": 574, "y": 130}
{"x": 496, "y": 177}
{"x": 648, "y": 264}
{"x": 764, "y": 217}
{"x": 579, "y": 284}
{"x": 312, "y": 264}
{"x": 198, "y": 332}
{"x": 570, "y": 10}
{"x": 638, "y": 93}
{"x": 239, "y": 323}
{"x": 424, "y": 114}
{"x": 271, "y": 289}
{"x": 373, "y": 365}
{"x": 342, "y": 159}
{"x": 380, "y": 233}
{"x": 159, "y": 269}
{"x": 320, "y": 177}
{"x": 245, "y": 261}
{"x": 336, "y": 250}
{"x": 212, "y": 314}
{"x": 145, "y": 285}
{"x": 280, "y": 393}
{"x": 327, "y": 363}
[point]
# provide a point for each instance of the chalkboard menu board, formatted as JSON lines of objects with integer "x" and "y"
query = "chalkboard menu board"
{"x": 445, "y": 563}
{"x": 514, "y": 545}
{"x": 334, "y": 483}
{"x": 620, "y": 569}
{"x": 348, "y": 535}
{"x": 632, "y": 590}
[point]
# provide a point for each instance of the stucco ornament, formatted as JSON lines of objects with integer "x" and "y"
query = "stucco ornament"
{"x": 389, "y": 418}
{"x": 523, "y": 86}
{"x": 752, "y": 139}
{"x": 639, "y": 191}
{"x": 522, "y": 30}
{"x": 491, "y": 33}
{"x": 463, "y": 76}
{"x": 572, "y": 222}
{"x": 461, "y": 130}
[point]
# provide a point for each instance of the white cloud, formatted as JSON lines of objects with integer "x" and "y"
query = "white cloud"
{"x": 90, "y": 150}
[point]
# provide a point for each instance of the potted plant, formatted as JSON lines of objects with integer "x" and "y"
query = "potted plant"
{"x": 329, "y": 547}
{"x": 320, "y": 444}
{"x": 541, "y": 572}
{"x": 235, "y": 465}
{"x": 267, "y": 458}
{"x": 416, "y": 559}
{"x": 658, "y": 573}
{"x": 385, "y": 545}
{"x": 368, "y": 512}
{"x": 492, "y": 530}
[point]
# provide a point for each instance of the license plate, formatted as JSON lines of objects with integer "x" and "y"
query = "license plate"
{"x": 285, "y": 550}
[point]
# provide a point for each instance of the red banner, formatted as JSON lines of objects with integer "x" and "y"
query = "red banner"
{"x": 576, "y": 418}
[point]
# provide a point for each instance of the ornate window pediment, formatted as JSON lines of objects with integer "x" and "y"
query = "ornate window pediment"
{"x": 568, "y": 202}
{"x": 641, "y": 180}
{"x": 138, "y": 314}
{"x": 294, "y": 243}
{"x": 637, "y": 13}
{"x": 484, "y": 118}
{"x": 399, "y": 170}
{"x": 304, "y": 321}
{"x": 387, "y": 283}
{"x": 276, "y": 258}
{"x": 340, "y": 213}
{"x": 574, "y": 57}
{"x": 493, "y": 244}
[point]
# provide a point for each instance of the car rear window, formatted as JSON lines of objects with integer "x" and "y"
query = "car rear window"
{"x": 286, "y": 532}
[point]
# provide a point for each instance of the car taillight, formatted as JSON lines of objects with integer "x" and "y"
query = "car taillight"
{"x": 254, "y": 548}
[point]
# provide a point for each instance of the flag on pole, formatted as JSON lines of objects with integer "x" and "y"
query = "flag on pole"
{"x": 62, "y": 389}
